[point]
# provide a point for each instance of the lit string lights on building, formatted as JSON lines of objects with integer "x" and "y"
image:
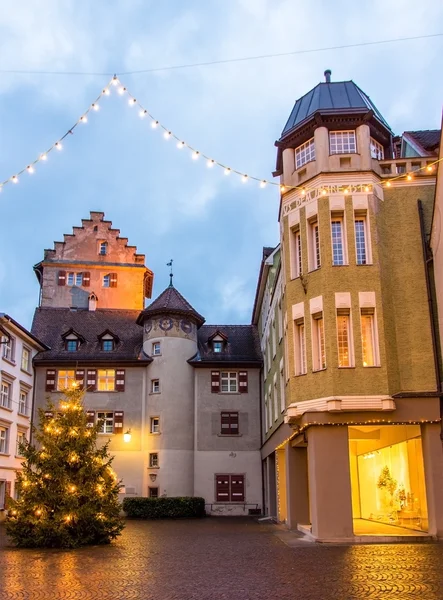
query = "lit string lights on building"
{"x": 196, "y": 154}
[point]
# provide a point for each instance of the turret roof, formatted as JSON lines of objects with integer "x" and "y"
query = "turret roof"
{"x": 172, "y": 302}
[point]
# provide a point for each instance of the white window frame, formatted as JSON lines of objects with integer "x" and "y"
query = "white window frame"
{"x": 217, "y": 346}
{"x": 70, "y": 278}
{"x": 26, "y": 357}
{"x": 296, "y": 253}
{"x": 314, "y": 244}
{"x": 342, "y": 142}
{"x": 21, "y": 437}
{"x": 9, "y": 348}
{"x": 318, "y": 342}
{"x": 65, "y": 379}
{"x": 106, "y": 283}
{"x": 344, "y": 339}
{"x": 5, "y": 394}
{"x": 304, "y": 153}
{"x": 155, "y": 346}
{"x": 229, "y": 380}
{"x": 106, "y": 380}
{"x": 23, "y": 404}
{"x": 155, "y": 386}
{"x": 370, "y": 312}
{"x": 105, "y": 422}
{"x": 2, "y": 493}
{"x": 79, "y": 279}
{"x": 377, "y": 150}
{"x": 362, "y": 217}
{"x": 153, "y": 460}
{"x": 154, "y": 425}
{"x": 4, "y": 439}
{"x": 103, "y": 248}
{"x": 338, "y": 241}
{"x": 300, "y": 347}
{"x": 282, "y": 388}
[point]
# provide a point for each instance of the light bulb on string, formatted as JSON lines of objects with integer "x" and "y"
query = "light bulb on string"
{"x": 30, "y": 169}
{"x": 210, "y": 163}
{"x": 95, "y": 106}
{"x": 227, "y": 171}
{"x": 106, "y": 91}
{"x": 282, "y": 188}
{"x": 244, "y": 179}
{"x": 142, "y": 113}
{"x": 167, "y": 135}
{"x": 14, "y": 179}
{"x": 303, "y": 192}
{"x": 115, "y": 80}
{"x": 84, "y": 119}
{"x": 132, "y": 101}
{"x": 154, "y": 124}
{"x": 388, "y": 184}
{"x": 58, "y": 145}
{"x": 429, "y": 168}
{"x": 195, "y": 155}
{"x": 263, "y": 183}
{"x": 121, "y": 90}
{"x": 409, "y": 177}
{"x": 366, "y": 188}
{"x": 180, "y": 145}
{"x": 44, "y": 156}
{"x": 323, "y": 192}
{"x": 346, "y": 191}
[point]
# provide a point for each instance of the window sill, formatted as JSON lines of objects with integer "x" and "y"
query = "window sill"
{"x": 9, "y": 361}
{"x": 4, "y": 454}
{"x": 349, "y": 367}
{"x": 223, "y": 435}
{"x": 314, "y": 269}
{"x": 155, "y": 355}
{"x": 319, "y": 370}
{"x": 25, "y": 415}
{"x": 302, "y": 374}
{"x": 25, "y": 371}
{"x": 371, "y": 367}
{"x": 343, "y": 265}
{"x": 154, "y": 393}
{"x": 155, "y": 433}
{"x": 156, "y": 468}
{"x": 7, "y": 408}
{"x": 230, "y": 393}
{"x": 19, "y": 457}
{"x": 369, "y": 264}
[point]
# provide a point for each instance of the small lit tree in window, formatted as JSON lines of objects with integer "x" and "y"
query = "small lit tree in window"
{"x": 67, "y": 490}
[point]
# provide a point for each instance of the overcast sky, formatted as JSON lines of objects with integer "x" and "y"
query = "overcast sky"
{"x": 213, "y": 226}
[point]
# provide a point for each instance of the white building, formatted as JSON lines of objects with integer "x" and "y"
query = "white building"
{"x": 17, "y": 350}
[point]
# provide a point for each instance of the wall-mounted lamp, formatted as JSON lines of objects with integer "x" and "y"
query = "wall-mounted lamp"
{"x": 127, "y": 436}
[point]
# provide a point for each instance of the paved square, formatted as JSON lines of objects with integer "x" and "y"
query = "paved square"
{"x": 215, "y": 559}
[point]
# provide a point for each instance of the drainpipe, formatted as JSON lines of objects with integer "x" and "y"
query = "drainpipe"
{"x": 432, "y": 315}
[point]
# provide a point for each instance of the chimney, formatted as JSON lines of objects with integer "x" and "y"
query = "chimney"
{"x": 92, "y": 302}
{"x": 327, "y": 75}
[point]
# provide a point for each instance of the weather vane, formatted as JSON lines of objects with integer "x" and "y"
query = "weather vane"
{"x": 171, "y": 275}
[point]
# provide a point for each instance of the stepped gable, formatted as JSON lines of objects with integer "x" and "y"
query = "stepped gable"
{"x": 172, "y": 302}
{"x": 242, "y": 346}
{"x": 79, "y": 245}
{"x": 50, "y": 324}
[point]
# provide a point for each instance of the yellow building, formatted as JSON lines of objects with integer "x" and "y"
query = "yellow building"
{"x": 364, "y": 456}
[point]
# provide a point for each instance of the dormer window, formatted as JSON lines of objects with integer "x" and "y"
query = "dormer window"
{"x": 342, "y": 142}
{"x": 217, "y": 342}
{"x": 103, "y": 248}
{"x": 71, "y": 345}
{"x": 217, "y": 346}
{"x": 108, "y": 341}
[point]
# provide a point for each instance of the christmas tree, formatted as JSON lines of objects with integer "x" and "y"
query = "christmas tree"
{"x": 67, "y": 490}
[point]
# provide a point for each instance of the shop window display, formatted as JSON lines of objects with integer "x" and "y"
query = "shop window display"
{"x": 387, "y": 475}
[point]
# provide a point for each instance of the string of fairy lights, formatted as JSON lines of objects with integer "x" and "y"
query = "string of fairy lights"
{"x": 196, "y": 154}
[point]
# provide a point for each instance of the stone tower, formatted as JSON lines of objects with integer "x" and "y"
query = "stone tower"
{"x": 170, "y": 327}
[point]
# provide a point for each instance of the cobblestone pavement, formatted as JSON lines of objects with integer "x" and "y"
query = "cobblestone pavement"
{"x": 217, "y": 559}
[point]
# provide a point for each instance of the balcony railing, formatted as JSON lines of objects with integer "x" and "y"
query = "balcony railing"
{"x": 401, "y": 166}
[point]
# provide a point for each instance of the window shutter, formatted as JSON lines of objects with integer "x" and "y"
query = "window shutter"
{"x": 222, "y": 488}
{"x": 80, "y": 378}
{"x": 237, "y": 488}
{"x": 86, "y": 279}
{"x": 118, "y": 421}
{"x": 243, "y": 381}
{"x": 50, "y": 380}
{"x": 215, "y": 381}
{"x": 113, "y": 282}
{"x": 62, "y": 278}
{"x": 7, "y": 492}
{"x": 91, "y": 384}
{"x": 90, "y": 418}
{"x": 120, "y": 380}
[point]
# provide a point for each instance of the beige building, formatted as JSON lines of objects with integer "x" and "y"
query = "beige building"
{"x": 18, "y": 347}
{"x": 364, "y": 454}
{"x": 436, "y": 244}
{"x": 179, "y": 400}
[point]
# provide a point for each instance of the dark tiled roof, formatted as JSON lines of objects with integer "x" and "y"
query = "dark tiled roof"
{"x": 171, "y": 301}
{"x": 267, "y": 251}
{"x": 429, "y": 139}
{"x": 243, "y": 345}
{"x": 50, "y": 324}
{"x": 337, "y": 96}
